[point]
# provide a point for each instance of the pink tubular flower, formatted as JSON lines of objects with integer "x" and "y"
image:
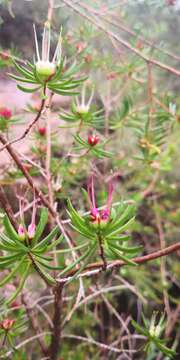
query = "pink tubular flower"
{"x": 31, "y": 230}
{"x": 95, "y": 215}
{"x": 99, "y": 215}
{"x": 5, "y": 113}
{"x": 21, "y": 232}
{"x": 32, "y": 226}
{"x": 93, "y": 140}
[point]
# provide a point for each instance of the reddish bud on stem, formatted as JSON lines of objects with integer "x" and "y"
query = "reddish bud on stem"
{"x": 42, "y": 131}
{"x": 7, "y": 324}
{"x": 5, "y": 113}
{"x": 93, "y": 140}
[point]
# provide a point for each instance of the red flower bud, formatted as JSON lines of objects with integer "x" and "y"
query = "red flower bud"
{"x": 7, "y": 324}
{"x": 93, "y": 140}
{"x": 4, "y": 56}
{"x": 5, "y": 113}
{"x": 42, "y": 131}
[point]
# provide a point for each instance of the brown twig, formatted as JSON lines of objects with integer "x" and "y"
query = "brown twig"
{"x": 141, "y": 38}
{"x": 7, "y": 207}
{"x": 48, "y": 150}
{"x": 95, "y": 20}
{"x": 96, "y": 267}
{"x": 159, "y": 226}
{"x": 29, "y": 179}
{"x": 27, "y": 130}
{"x": 56, "y": 333}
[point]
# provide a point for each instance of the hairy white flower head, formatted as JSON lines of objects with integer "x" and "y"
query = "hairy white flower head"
{"x": 83, "y": 107}
{"x": 44, "y": 66}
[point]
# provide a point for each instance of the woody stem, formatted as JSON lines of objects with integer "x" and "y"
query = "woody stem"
{"x": 102, "y": 255}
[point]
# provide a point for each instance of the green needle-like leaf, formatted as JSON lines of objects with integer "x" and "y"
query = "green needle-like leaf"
{"x": 41, "y": 226}
{"x": 12, "y": 273}
{"x": 121, "y": 256}
{"x": 82, "y": 257}
{"x": 11, "y": 232}
{"x": 47, "y": 239}
{"x": 88, "y": 256}
{"x": 28, "y": 90}
{"x": 23, "y": 279}
{"x": 23, "y": 71}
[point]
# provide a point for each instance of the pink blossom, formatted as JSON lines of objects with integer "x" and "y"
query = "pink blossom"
{"x": 5, "y": 113}
{"x": 31, "y": 230}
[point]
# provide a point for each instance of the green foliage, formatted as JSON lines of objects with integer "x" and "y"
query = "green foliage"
{"x": 105, "y": 234}
{"x": 85, "y": 117}
{"x": 137, "y": 114}
{"x": 21, "y": 256}
{"x": 63, "y": 82}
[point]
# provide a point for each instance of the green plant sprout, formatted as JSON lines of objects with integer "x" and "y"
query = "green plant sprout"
{"x": 153, "y": 331}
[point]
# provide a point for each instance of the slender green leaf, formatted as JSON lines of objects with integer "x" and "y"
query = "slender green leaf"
{"x": 12, "y": 273}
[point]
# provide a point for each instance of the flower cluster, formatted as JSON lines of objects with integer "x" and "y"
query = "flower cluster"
{"x": 99, "y": 216}
{"x": 31, "y": 230}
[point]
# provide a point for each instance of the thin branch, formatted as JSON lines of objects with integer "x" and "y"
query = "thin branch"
{"x": 101, "y": 345}
{"x": 56, "y": 333}
{"x": 141, "y": 38}
{"x": 7, "y": 207}
{"x": 26, "y": 341}
{"x": 94, "y": 20}
{"x": 48, "y": 150}
{"x": 95, "y": 268}
{"x": 159, "y": 226}
{"x": 29, "y": 179}
{"x": 27, "y": 130}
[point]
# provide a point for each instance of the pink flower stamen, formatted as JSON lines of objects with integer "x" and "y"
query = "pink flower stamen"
{"x": 32, "y": 226}
{"x": 94, "y": 210}
{"x": 97, "y": 215}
